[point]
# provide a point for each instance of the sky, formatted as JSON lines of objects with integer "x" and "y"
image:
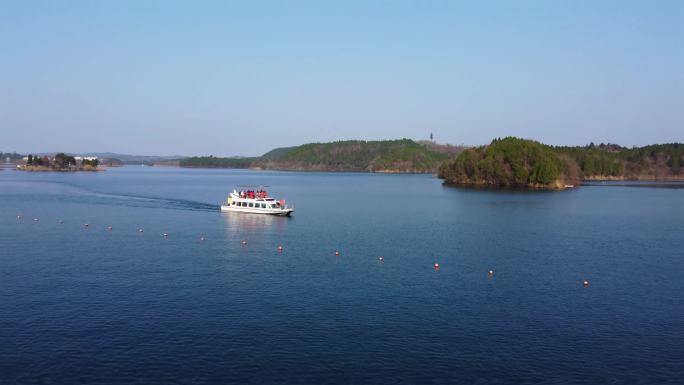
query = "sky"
{"x": 230, "y": 78}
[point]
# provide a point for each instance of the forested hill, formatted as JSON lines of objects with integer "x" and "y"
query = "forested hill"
{"x": 654, "y": 162}
{"x": 511, "y": 162}
{"x": 398, "y": 156}
{"x": 514, "y": 162}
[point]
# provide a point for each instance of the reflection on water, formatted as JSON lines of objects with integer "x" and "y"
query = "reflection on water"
{"x": 246, "y": 224}
{"x": 670, "y": 184}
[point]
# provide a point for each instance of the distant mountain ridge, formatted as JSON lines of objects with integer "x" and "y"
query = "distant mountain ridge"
{"x": 390, "y": 156}
{"x": 134, "y": 159}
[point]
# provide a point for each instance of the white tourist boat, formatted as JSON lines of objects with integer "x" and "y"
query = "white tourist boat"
{"x": 255, "y": 202}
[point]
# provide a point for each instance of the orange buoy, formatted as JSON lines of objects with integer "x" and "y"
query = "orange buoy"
{"x": 585, "y": 283}
{"x": 436, "y": 266}
{"x": 490, "y": 273}
{"x": 280, "y": 247}
{"x": 337, "y": 253}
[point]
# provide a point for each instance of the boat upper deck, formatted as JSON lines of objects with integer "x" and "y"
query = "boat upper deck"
{"x": 260, "y": 195}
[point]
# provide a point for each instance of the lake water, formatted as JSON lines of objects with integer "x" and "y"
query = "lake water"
{"x": 95, "y": 306}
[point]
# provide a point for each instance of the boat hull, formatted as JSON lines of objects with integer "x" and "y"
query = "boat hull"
{"x": 250, "y": 210}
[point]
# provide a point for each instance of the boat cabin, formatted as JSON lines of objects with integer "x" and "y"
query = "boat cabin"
{"x": 255, "y": 201}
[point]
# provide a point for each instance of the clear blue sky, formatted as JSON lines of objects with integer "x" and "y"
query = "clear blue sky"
{"x": 227, "y": 78}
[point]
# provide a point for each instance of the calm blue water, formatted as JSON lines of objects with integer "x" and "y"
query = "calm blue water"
{"x": 91, "y": 306}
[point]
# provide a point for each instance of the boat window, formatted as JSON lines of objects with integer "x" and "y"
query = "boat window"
{"x": 263, "y": 205}
{"x": 251, "y": 204}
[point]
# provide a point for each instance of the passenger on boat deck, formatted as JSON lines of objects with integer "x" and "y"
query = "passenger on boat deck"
{"x": 253, "y": 194}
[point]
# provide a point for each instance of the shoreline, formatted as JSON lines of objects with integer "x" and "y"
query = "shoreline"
{"x": 492, "y": 187}
{"x": 559, "y": 187}
{"x": 642, "y": 178}
{"x": 383, "y": 171}
{"x": 50, "y": 169}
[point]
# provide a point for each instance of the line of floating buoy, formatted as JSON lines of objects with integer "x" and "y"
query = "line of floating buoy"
{"x": 490, "y": 273}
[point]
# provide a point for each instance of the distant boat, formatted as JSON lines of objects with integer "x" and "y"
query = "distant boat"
{"x": 256, "y": 202}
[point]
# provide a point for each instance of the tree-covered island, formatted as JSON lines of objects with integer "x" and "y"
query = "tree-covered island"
{"x": 60, "y": 162}
{"x": 519, "y": 163}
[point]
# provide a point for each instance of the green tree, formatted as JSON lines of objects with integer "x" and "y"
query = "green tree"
{"x": 64, "y": 161}
{"x": 544, "y": 172}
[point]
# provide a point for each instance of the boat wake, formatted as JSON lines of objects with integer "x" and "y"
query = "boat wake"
{"x": 160, "y": 202}
{"x": 70, "y": 193}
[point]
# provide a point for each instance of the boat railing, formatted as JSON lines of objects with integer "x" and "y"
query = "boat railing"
{"x": 255, "y": 198}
